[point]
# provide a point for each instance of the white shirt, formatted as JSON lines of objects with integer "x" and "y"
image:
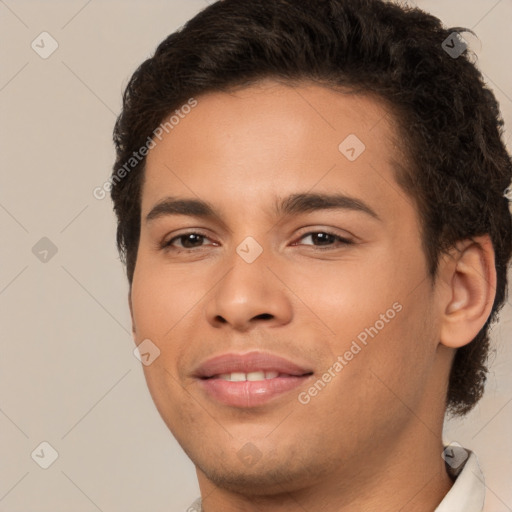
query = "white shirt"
{"x": 467, "y": 493}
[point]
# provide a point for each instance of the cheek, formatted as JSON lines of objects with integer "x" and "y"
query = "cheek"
{"x": 380, "y": 383}
{"x": 160, "y": 303}
{"x": 162, "y": 298}
{"x": 391, "y": 370}
{"x": 349, "y": 296}
{"x": 170, "y": 397}
{"x": 381, "y": 325}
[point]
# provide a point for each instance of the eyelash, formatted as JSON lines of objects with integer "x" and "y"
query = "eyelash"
{"x": 343, "y": 241}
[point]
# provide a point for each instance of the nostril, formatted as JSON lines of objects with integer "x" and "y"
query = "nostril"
{"x": 264, "y": 316}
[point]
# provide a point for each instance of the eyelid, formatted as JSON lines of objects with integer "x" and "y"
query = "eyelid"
{"x": 340, "y": 239}
{"x": 166, "y": 242}
{"x": 343, "y": 240}
{"x": 319, "y": 229}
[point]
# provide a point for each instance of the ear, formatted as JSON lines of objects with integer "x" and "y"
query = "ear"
{"x": 131, "y": 311}
{"x": 469, "y": 289}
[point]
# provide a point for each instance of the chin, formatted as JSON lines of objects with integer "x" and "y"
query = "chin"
{"x": 262, "y": 482}
{"x": 267, "y": 477}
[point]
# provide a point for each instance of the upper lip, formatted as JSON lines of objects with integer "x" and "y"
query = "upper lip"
{"x": 249, "y": 362}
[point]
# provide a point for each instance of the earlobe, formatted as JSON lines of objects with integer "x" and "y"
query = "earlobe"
{"x": 471, "y": 275}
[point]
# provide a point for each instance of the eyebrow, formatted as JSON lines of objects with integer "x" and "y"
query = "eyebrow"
{"x": 293, "y": 204}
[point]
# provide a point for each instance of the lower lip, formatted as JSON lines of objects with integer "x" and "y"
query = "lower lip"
{"x": 248, "y": 394}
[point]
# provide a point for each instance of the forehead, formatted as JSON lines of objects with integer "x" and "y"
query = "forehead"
{"x": 254, "y": 144}
{"x": 271, "y": 108}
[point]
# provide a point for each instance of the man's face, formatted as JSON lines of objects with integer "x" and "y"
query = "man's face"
{"x": 255, "y": 284}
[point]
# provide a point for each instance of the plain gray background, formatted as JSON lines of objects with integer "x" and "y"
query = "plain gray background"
{"x": 68, "y": 375}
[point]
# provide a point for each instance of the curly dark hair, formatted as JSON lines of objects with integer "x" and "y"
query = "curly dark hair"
{"x": 457, "y": 164}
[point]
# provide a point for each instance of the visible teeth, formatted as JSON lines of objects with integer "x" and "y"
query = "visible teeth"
{"x": 256, "y": 376}
{"x": 251, "y": 376}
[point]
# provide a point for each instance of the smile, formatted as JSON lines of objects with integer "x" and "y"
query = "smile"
{"x": 249, "y": 380}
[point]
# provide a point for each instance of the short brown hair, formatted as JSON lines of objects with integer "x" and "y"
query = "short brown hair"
{"x": 449, "y": 120}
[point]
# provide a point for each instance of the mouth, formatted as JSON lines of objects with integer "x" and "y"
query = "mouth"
{"x": 249, "y": 380}
{"x": 251, "y": 376}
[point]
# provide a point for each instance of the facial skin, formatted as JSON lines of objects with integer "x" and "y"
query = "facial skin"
{"x": 371, "y": 438}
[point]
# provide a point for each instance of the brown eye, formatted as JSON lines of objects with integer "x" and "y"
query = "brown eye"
{"x": 186, "y": 241}
{"x": 325, "y": 239}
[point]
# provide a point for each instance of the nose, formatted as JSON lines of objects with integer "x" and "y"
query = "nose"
{"x": 250, "y": 295}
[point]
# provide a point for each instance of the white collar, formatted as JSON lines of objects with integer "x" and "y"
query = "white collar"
{"x": 468, "y": 491}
